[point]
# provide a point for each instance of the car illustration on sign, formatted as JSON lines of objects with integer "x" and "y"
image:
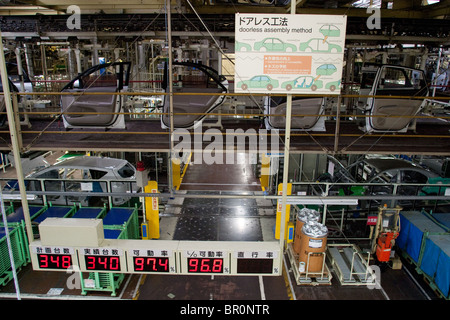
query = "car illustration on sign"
{"x": 333, "y": 85}
{"x": 326, "y": 69}
{"x": 274, "y": 44}
{"x": 261, "y": 81}
{"x": 302, "y": 82}
{"x": 329, "y": 30}
{"x": 242, "y": 46}
{"x": 319, "y": 45}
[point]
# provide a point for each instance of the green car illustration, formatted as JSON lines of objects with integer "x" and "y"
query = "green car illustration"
{"x": 326, "y": 69}
{"x": 274, "y": 44}
{"x": 329, "y": 30}
{"x": 242, "y": 46}
{"x": 261, "y": 81}
{"x": 302, "y": 82}
{"x": 333, "y": 85}
{"x": 319, "y": 45}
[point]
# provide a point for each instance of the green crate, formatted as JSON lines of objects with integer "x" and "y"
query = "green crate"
{"x": 102, "y": 281}
{"x": 20, "y": 258}
{"x": 130, "y": 227}
{"x": 105, "y": 281}
{"x": 17, "y": 220}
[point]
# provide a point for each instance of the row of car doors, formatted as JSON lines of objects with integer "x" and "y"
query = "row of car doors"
{"x": 203, "y": 85}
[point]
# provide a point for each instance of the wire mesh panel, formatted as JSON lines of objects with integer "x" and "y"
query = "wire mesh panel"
{"x": 17, "y": 250}
{"x": 123, "y": 219}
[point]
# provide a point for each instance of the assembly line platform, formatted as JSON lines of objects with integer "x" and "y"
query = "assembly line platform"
{"x": 430, "y": 137}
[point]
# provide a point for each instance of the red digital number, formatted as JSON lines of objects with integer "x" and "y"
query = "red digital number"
{"x": 66, "y": 262}
{"x": 217, "y": 265}
{"x": 43, "y": 261}
{"x": 55, "y": 260}
{"x": 114, "y": 263}
{"x": 103, "y": 261}
{"x": 138, "y": 264}
{"x": 150, "y": 264}
{"x": 205, "y": 266}
{"x": 90, "y": 262}
{"x": 164, "y": 263}
{"x": 193, "y": 265}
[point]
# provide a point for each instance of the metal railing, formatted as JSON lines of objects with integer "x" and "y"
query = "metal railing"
{"x": 87, "y": 192}
{"x": 24, "y": 108}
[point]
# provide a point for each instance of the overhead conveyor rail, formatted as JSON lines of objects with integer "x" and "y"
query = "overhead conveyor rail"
{"x": 341, "y": 135}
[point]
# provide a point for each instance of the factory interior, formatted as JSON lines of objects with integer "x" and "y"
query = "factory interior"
{"x": 243, "y": 151}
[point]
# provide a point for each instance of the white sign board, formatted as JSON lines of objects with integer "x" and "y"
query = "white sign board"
{"x": 286, "y": 53}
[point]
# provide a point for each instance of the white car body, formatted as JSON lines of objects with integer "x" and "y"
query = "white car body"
{"x": 85, "y": 170}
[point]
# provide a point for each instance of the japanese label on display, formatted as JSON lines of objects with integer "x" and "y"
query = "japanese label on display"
{"x": 284, "y": 53}
{"x": 256, "y": 254}
{"x": 101, "y": 251}
{"x": 52, "y": 250}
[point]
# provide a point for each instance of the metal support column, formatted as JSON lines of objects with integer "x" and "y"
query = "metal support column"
{"x": 170, "y": 74}
{"x": 29, "y": 61}
{"x": 19, "y": 68}
{"x": 338, "y": 124}
{"x": 15, "y": 143}
{"x": 284, "y": 206}
{"x": 287, "y": 138}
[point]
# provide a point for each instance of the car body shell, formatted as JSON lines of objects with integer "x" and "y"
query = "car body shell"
{"x": 85, "y": 169}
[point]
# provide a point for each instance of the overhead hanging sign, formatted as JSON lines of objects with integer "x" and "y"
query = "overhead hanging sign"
{"x": 286, "y": 53}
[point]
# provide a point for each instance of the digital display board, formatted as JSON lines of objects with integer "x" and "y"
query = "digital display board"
{"x": 53, "y": 258}
{"x": 103, "y": 259}
{"x": 255, "y": 266}
{"x": 102, "y": 263}
{"x": 204, "y": 257}
{"x": 205, "y": 265}
{"x": 162, "y": 256}
{"x": 256, "y": 259}
{"x": 151, "y": 264}
{"x": 54, "y": 261}
{"x": 152, "y": 257}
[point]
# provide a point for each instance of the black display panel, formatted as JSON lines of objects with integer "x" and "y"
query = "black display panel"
{"x": 254, "y": 265}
